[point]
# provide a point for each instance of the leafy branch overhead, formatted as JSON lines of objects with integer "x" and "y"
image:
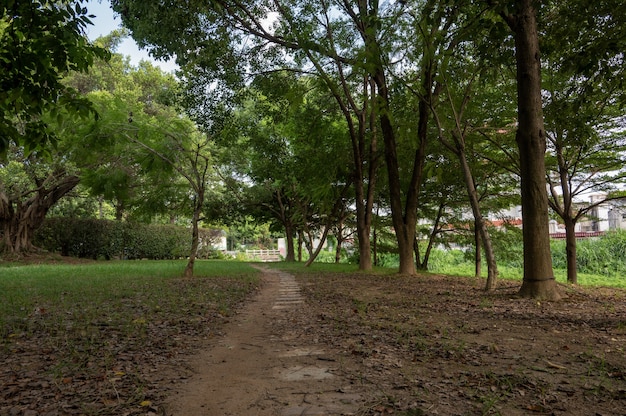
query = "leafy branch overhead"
{"x": 40, "y": 42}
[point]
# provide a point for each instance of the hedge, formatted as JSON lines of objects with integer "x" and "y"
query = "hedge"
{"x": 101, "y": 239}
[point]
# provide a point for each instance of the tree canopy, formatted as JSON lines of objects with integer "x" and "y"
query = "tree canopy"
{"x": 40, "y": 42}
{"x": 316, "y": 110}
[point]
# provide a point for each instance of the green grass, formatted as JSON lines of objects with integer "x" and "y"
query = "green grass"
{"x": 94, "y": 287}
{"x": 511, "y": 273}
{"x": 88, "y": 319}
{"x": 327, "y": 268}
{"x": 455, "y": 267}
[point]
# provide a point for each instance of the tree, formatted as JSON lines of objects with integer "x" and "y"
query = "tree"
{"x": 100, "y": 152}
{"x": 35, "y": 177}
{"x": 40, "y": 41}
{"x": 457, "y": 144}
{"x": 538, "y": 279}
{"x": 30, "y": 185}
{"x": 472, "y": 68}
{"x": 584, "y": 94}
{"x": 313, "y": 37}
{"x": 164, "y": 141}
{"x": 291, "y": 147}
{"x": 117, "y": 171}
{"x": 146, "y": 154}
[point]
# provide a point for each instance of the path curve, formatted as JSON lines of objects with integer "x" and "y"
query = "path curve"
{"x": 261, "y": 368}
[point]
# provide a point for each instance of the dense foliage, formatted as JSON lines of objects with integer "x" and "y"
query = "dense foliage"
{"x": 602, "y": 257}
{"x": 99, "y": 239}
{"x": 40, "y": 41}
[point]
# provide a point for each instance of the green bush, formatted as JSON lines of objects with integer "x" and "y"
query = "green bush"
{"x": 390, "y": 260}
{"x": 605, "y": 255}
{"x": 325, "y": 256}
{"x": 100, "y": 239}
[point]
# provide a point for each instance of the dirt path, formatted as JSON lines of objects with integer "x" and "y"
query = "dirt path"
{"x": 261, "y": 367}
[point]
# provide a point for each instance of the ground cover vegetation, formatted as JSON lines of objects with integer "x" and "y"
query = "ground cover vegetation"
{"x": 85, "y": 337}
{"x": 107, "y": 337}
{"x": 435, "y": 344}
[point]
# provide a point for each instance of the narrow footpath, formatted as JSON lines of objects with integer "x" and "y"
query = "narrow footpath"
{"x": 260, "y": 367}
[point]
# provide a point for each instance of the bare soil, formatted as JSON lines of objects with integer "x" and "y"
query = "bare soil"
{"x": 432, "y": 345}
{"x": 268, "y": 364}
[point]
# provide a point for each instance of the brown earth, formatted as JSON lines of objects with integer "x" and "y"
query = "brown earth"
{"x": 340, "y": 344}
{"x": 432, "y": 345}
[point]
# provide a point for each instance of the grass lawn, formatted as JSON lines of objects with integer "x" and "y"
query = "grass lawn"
{"x": 86, "y": 328}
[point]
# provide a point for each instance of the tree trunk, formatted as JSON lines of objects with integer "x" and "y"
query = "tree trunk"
{"x": 492, "y": 268}
{"x": 570, "y": 250}
{"x": 291, "y": 251}
{"x": 477, "y": 254}
{"x": 315, "y": 253}
{"x": 365, "y": 251}
{"x": 531, "y": 140}
{"x": 20, "y": 219}
{"x": 375, "y": 247}
{"x": 340, "y": 237}
{"x": 423, "y": 264}
{"x": 403, "y": 219}
{"x": 364, "y": 186}
{"x": 365, "y": 199}
{"x": 195, "y": 235}
{"x": 338, "y": 252}
{"x": 565, "y": 211}
{"x": 300, "y": 240}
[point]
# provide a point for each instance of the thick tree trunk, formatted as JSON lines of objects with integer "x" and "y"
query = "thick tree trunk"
{"x": 291, "y": 251}
{"x": 403, "y": 219}
{"x": 531, "y": 140}
{"x": 365, "y": 251}
{"x": 20, "y": 219}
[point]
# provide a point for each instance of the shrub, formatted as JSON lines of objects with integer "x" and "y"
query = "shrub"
{"x": 100, "y": 239}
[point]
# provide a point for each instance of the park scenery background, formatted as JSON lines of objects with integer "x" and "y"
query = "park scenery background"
{"x": 445, "y": 181}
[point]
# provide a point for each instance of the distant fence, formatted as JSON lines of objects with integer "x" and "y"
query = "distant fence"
{"x": 578, "y": 234}
{"x": 263, "y": 255}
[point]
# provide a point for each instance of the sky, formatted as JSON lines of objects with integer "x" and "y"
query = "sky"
{"x": 106, "y": 21}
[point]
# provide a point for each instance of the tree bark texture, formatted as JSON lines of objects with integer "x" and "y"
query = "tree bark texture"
{"x": 531, "y": 141}
{"x": 291, "y": 251}
{"x": 19, "y": 219}
{"x": 570, "y": 250}
{"x": 477, "y": 253}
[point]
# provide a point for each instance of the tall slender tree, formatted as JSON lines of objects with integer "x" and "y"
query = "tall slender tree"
{"x": 584, "y": 95}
